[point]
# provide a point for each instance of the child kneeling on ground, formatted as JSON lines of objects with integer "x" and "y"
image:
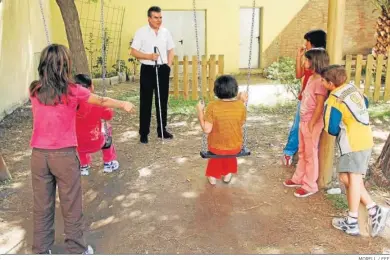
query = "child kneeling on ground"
{"x": 223, "y": 121}
{"x": 90, "y": 137}
{"x": 346, "y": 116}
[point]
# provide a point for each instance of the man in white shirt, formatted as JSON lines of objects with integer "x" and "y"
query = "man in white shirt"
{"x": 146, "y": 40}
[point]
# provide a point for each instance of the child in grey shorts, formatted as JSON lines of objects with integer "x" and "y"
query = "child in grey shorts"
{"x": 347, "y": 118}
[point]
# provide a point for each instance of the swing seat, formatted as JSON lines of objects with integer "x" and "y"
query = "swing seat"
{"x": 244, "y": 152}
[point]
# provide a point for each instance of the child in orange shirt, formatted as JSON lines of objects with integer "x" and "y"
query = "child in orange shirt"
{"x": 223, "y": 121}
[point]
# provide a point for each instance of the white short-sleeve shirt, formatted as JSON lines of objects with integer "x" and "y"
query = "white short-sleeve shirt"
{"x": 146, "y": 39}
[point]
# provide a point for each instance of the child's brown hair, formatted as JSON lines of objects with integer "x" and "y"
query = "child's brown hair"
{"x": 335, "y": 74}
{"x": 54, "y": 75}
{"x": 319, "y": 59}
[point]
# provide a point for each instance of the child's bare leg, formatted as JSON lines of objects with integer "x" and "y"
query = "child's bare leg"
{"x": 377, "y": 215}
{"x": 354, "y": 192}
{"x": 365, "y": 198}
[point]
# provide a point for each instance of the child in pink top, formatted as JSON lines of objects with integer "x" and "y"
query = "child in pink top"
{"x": 311, "y": 125}
{"x": 54, "y": 162}
{"x": 90, "y": 135}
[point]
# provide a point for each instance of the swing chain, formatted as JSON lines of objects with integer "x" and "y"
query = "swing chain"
{"x": 44, "y": 22}
{"x": 249, "y": 69}
{"x": 204, "y": 136}
{"x": 103, "y": 56}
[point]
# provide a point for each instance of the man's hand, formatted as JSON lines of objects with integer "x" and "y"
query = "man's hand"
{"x": 153, "y": 56}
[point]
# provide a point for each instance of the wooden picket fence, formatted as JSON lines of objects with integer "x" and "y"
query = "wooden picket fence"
{"x": 185, "y": 84}
{"x": 370, "y": 74}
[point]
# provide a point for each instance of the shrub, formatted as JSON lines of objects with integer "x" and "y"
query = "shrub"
{"x": 283, "y": 71}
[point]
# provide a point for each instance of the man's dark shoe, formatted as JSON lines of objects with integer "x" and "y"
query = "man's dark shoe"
{"x": 144, "y": 139}
{"x": 167, "y": 135}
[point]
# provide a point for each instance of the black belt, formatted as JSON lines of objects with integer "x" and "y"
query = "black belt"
{"x": 146, "y": 65}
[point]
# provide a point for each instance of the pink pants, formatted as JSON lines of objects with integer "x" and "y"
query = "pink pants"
{"x": 307, "y": 170}
{"x": 108, "y": 156}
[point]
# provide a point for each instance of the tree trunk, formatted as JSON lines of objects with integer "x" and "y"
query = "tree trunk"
{"x": 4, "y": 173}
{"x": 382, "y": 35}
{"x": 383, "y": 161}
{"x": 73, "y": 32}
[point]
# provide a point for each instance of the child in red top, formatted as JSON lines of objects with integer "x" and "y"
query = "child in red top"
{"x": 54, "y": 162}
{"x": 90, "y": 132}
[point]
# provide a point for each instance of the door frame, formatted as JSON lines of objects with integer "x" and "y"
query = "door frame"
{"x": 261, "y": 24}
{"x": 205, "y": 24}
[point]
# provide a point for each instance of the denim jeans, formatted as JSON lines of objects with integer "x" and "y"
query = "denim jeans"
{"x": 293, "y": 138}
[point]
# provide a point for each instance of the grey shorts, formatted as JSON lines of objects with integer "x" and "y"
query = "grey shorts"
{"x": 354, "y": 162}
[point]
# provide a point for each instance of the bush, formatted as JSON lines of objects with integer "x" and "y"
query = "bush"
{"x": 283, "y": 71}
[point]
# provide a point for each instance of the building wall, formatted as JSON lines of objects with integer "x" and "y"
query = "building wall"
{"x": 222, "y": 36}
{"x": 21, "y": 35}
{"x": 359, "y": 29}
{"x": 283, "y": 25}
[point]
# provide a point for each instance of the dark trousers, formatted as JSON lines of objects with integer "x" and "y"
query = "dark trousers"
{"x": 50, "y": 168}
{"x": 148, "y": 84}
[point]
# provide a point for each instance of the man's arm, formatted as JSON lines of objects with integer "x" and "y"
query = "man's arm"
{"x": 171, "y": 55}
{"x": 143, "y": 56}
{"x": 170, "y": 47}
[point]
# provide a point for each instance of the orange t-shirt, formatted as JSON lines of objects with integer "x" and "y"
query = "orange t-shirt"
{"x": 227, "y": 118}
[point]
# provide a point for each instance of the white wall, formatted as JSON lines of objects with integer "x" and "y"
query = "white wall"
{"x": 21, "y": 35}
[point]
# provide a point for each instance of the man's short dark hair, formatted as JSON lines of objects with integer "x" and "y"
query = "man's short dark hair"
{"x": 317, "y": 38}
{"x": 225, "y": 87}
{"x": 155, "y": 9}
{"x": 83, "y": 80}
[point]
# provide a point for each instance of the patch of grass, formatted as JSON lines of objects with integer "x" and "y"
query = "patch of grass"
{"x": 181, "y": 106}
{"x": 380, "y": 111}
{"x": 339, "y": 201}
{"x": 280, "y": 109}
{"x": 132, "y": 97}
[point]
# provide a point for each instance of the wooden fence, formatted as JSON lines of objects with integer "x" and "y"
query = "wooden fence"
{"x": 371, "y": 74}
{"x": 185, "y": 84}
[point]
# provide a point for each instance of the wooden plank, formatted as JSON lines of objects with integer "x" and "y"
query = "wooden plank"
{"x": 221, "y": 64}
{"x": 212, "y": 76}
{"x": 176, "y": 76}
{"x": 185, "y": 77}
{"x": 194, "y": 78}
{"x": 378, "y": 79}
{"x": 204, "y": 76}
{"x": 348, "y": 66}
{"x": 190, "y": 62}
{"x": 358, "y": 70}
{"x": 387, "y": 84}
{"x": 370, "y": 63}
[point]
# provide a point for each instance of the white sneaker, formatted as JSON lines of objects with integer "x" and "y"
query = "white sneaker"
{"x": 111, "y": 166}
{"x": 227, "y": 178}
{"x": 84, "y": 170}
{"x": 89, "y": 251}
{"x": 377, "y": 222}
{"x": 212, "y": 180}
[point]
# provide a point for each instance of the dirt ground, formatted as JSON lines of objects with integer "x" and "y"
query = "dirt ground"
{"x": 159, "y": 202}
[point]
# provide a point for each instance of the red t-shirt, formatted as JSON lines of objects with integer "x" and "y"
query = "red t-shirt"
{"x": 307, "y": 74}
{"x": 89, "y": 127}
{"x": 54, "y": 126}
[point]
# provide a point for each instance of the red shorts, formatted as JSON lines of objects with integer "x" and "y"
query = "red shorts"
{"x": 218, "y": 167}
